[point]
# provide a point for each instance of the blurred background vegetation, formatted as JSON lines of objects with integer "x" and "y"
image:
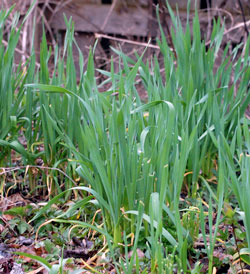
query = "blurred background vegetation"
{"x": 128, "y": 24}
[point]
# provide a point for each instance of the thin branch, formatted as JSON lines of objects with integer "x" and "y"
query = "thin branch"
{"x": 243, "y": 17}
{"x": 109, "y": 14}
{"x": 237, "y": 26}
{"x": 141, "y": 44}
{"x": 20, "y": 52}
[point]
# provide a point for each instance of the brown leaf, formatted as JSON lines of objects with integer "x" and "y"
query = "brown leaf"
{"x": 140, "y": 254}
{"x": 12, "y": 201}
{"x": 221, "y": 255}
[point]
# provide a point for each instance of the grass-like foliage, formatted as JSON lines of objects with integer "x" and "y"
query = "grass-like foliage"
{"x": 136, "y": 159}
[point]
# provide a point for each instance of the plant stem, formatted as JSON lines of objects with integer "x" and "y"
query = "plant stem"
{"x": 237, "y": 247}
